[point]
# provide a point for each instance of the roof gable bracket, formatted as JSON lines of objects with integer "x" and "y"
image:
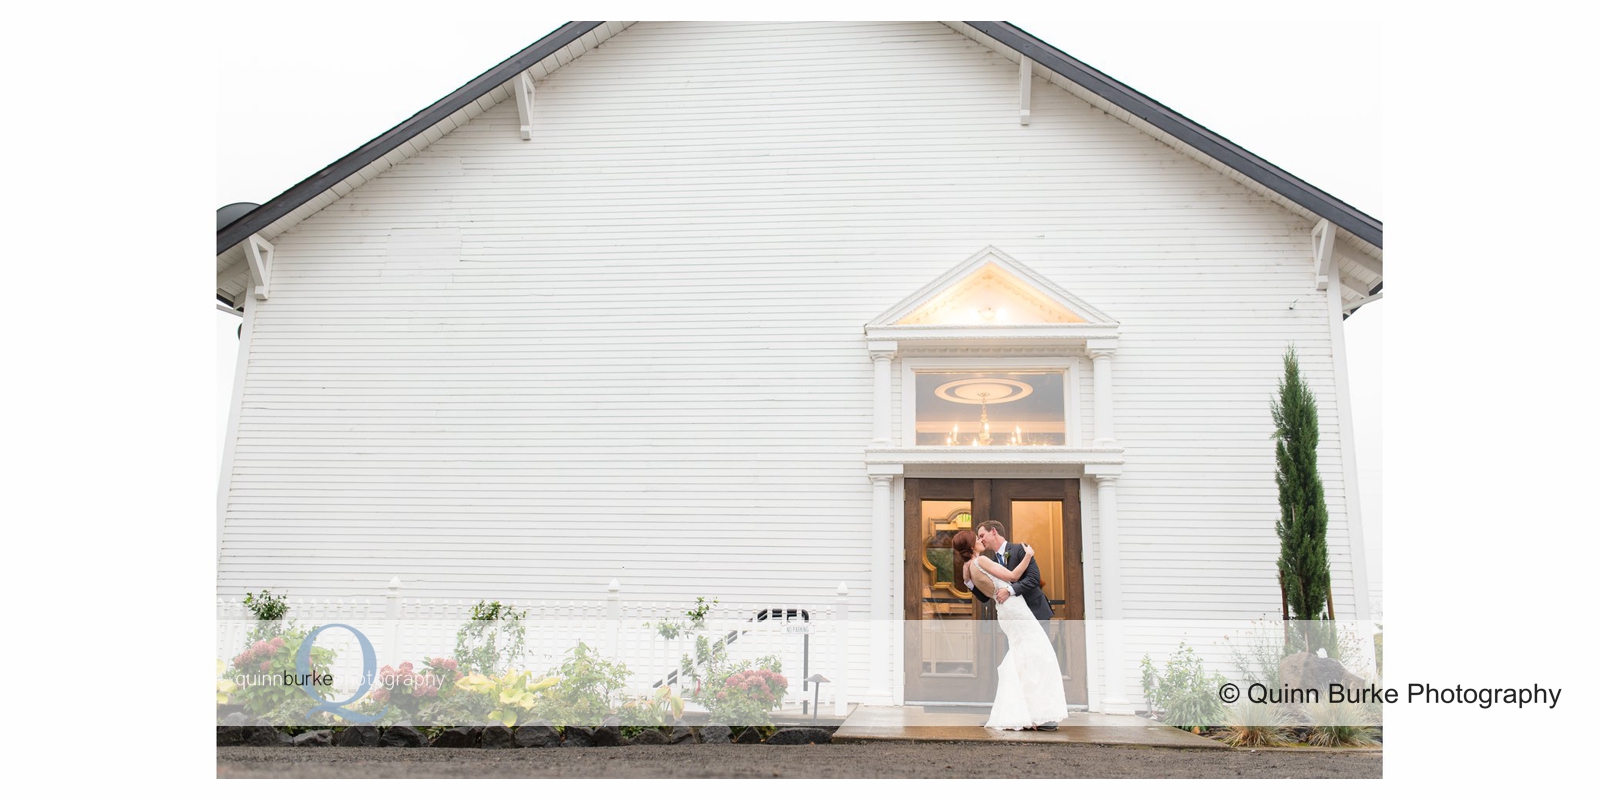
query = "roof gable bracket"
{"x": 1355, "y": 304}
{"x": 522, "y": 87}
{"x": 1322, "y": 251}
{"x": 258, "y": 252}
{"x": 1025, "y": 90}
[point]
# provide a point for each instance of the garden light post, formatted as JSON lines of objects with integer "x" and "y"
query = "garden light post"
{"x": 816, "y": 692}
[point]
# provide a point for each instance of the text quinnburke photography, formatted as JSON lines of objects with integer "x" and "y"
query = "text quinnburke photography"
{"x": 805, "y": 400}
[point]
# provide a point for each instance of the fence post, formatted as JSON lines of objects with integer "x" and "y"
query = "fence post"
{"x": 614, "y": 617}
{"x": 840, "y": 649}
{"x": 391, "y": 623}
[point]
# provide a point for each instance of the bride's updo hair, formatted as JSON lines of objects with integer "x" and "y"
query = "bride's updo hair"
{"x": 965, "y": 545}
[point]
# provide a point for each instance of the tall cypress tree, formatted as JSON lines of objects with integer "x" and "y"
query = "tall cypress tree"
{"x": 1302, "y": 513}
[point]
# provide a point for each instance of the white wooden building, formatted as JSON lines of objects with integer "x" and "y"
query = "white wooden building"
{"x": 718, "y": 309}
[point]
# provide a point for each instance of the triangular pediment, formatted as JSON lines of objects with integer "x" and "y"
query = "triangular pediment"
{"x": 991, "y": 289}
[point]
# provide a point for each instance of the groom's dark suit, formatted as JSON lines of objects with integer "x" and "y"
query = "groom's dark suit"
{"x": 1025, "y": 587}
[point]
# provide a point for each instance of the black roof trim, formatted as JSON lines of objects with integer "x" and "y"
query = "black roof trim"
{"x": 1182, "y": 128}
{"x": 358, "y": 159}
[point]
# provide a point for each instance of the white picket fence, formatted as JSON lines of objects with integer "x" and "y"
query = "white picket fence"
{"x": 808, "y": 638}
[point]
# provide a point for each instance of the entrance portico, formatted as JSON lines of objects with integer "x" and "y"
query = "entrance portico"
{"x": 991, "y": 357}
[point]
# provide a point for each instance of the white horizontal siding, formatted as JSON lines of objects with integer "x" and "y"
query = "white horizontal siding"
{"x": 647, "y": 347}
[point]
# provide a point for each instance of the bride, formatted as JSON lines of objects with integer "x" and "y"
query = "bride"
{"x": 1029, "y": 692}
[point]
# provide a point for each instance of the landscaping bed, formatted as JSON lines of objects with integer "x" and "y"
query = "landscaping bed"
{"x": 237, "y": 731}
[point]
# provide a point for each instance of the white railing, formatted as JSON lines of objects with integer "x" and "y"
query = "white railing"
{"x": 809, "y": 638}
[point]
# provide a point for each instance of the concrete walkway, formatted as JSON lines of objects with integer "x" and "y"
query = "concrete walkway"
{"x": 958, "y": 724}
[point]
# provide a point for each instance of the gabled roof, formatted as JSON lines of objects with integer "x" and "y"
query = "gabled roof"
{"x": 992, "y": 271}
{"x": 572, "y": 39}
{"x": 330, "y": 176}
{"x": 1185, "y": 130}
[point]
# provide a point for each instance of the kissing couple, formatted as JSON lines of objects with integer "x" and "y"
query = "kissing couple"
{"x": 1029, "y": 695}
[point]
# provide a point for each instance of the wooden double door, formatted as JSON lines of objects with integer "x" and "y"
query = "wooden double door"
{"x": 953, "y": 645}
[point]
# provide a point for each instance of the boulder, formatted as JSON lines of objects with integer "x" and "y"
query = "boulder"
{"x": 236, "y": 718}
{"x": 538, "y": 733}
{"x": 1310, "y": 671}
{"x": 229, "y": 735}
{"x": 716, "y": 734}
{"x": 357, "y": 736}
{"x": 323, "y": 738}
{"x": 458, "y": 737}
{"x": 681, "y": 734}
{"x": 608, "y": 734}
{"x": 402, "y": 736}
{"x": 577, "y": 736}
{"x": 649, "y": 736}
{"x": 750, "y": 735}
{"x": 265, "y": 736}
{"x": 801, "y": 736}
{"x": 497, "y": 737}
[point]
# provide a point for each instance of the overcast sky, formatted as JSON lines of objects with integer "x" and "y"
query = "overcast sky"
{"x": 293, "y": 107}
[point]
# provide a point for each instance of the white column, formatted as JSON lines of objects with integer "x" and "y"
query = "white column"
{"x": 882, "y": 354}
{"x": 1115, "y": 692}
{"x": 1101, "y": 352}
{"x": 882, "y": 577}
{"x": 1347, "y": 449}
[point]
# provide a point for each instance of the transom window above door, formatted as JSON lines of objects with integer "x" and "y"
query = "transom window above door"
{"x": 1002, "y": 408}
{"x": 990, "y": 363}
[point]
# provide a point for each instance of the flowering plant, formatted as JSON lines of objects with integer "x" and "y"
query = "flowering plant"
{"x": 431, "y": 695}
{"x": 746, "y": 697}
{"x": 267, "y": 679}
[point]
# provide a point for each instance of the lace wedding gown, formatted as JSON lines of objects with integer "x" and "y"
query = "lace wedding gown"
{"x": 1029, "y": 691}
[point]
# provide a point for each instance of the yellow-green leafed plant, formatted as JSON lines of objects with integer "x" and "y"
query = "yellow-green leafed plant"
{"x": 225, "y": 687}
{"x": 514, "y": 693}
{"x": 664, "y": 708}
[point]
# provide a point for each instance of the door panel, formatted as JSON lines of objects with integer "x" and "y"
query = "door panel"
{"x": 952, "y": 646}
{"x": 1046, "y": 514}
{"x": 949, "y": 658}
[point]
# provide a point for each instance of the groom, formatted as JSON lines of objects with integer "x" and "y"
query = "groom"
{"x": 992, "y": 536}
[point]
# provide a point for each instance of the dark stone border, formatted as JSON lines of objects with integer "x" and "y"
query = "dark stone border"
{"x": 530, "y": 735}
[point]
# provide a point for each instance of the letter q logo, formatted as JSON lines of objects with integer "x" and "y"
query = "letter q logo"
{"x": 369, "y": 665}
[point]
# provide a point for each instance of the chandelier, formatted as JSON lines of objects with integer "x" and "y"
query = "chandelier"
{"x": 982, "y": 392}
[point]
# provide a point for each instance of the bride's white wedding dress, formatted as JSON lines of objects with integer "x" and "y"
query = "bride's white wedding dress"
{"x": 1029, "y": 691}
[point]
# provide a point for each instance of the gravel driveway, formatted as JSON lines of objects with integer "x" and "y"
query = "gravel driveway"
{"x": 854, "y": 760}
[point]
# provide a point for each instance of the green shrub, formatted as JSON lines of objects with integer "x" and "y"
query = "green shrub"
{"x": 672, "y": 629}
{"x": 584, "y": 689}
{"x": 270, "y": 612}
{"x": 1257, "y": 659}
{"x": 493, "y": 641}
{"x": 1185, "y": 696}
